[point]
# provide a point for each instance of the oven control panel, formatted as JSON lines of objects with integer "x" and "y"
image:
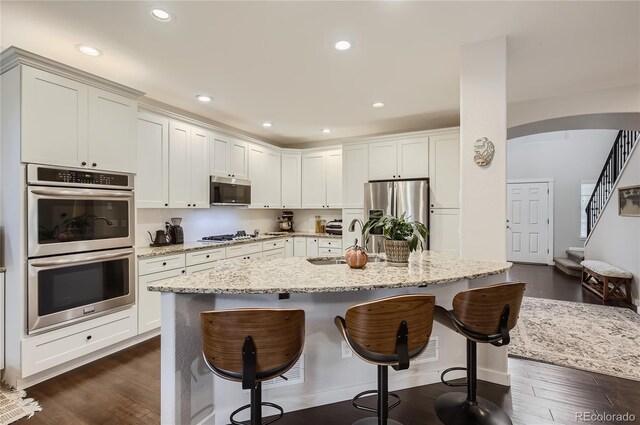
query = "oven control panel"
{"x": 81, "y": 177}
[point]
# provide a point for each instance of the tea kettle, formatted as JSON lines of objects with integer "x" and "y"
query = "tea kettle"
{"x": 160, "y": 239}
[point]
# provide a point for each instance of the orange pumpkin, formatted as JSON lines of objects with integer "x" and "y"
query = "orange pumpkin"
{"x": 356, "y": 258}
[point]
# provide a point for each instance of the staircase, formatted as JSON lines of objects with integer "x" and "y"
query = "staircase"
{"x": 570, "y": 265}
{"x": 620, "y": 152}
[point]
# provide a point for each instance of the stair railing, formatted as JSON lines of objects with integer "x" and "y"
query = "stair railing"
{"x": 618, "y": 156}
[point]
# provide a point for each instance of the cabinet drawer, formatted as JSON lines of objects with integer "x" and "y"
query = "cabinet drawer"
{"x": 45, "y": 351}
{"x": 243, "y": 250}
{"x": 274, "y": 253}
{"x": 160, "y": 264}
{"x": 331, "y": 252}
{"x": 204, "y": 256}
{"x": 268, "y": 245}
{"x": 330, "y": 243}
{"x": 199, "y": 268}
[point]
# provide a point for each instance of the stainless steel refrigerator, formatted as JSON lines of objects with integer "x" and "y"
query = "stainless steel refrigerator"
{"x": 395, "y": 197}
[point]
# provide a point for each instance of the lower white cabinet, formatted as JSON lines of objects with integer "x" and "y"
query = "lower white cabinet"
{"x": 274, "y": 253}
{"x": 288, "y": 248}
{"x": 300, "y": 247}
{"x": 444, "y": 229}
{"x": 149, "y": 301}
{"x": 246, "y": 251}
{"x": 329, "y": 252}
{"x": 312, "y": 247}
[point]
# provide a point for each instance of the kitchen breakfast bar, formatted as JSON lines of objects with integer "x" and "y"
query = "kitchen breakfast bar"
{"x": 191, "y": 394}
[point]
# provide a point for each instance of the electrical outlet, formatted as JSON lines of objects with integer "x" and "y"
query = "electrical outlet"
{"x": 346, "y": 351}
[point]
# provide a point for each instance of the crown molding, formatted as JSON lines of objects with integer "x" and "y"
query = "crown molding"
{"x": 14, "y": 56}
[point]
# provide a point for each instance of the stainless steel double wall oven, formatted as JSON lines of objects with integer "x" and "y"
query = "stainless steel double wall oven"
{"x": 80, "y": 239}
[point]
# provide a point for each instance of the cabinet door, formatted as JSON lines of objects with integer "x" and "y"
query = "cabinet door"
{"x": 237, "y": 161}
{"x": 314, "y": 187}
{"x": 444, "y": 171}
{"x": 291, "y": 180}
{"x": 152, "y": 179}
{"x": 54, "y": 119}
{"x": 2, "y": 321}
{"x": 112, "y": 132}
{"x": 444, "y": 229}
{"x": 413, "y": 158}
{"x": 333, "y": 167}
{"x": 149, "y": 302}
{"x": 273, "y": 178}
{"x": 258, "y": 175}
{"x": 383, "y": 160}
{"x": 355, "y": 172}
{"x": 288, "y": 247}
{"x": 219, "y": 150}
{"x": 274, "y": 253}
{"x": 312, "y": 247}
{"x": 179, "y": 175}
{"x": 299, "y": 247}
{"x": 348, "y": 237}
{"x": 198, "y": 169}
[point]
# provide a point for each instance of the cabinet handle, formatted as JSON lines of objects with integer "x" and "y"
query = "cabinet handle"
{"x": 228, "y": 175}
{"x": 182, "y": 271}
{"x": 84, "y": 163}
{"x": 94, "y": 165}
{"x": 166, "y": 205}
{"x": 431, "y": 205}
{"x": 188, "y": 205}
{"x": 233, "y": 175}
{"x": 164, "y": 264}
{"x": 194, "y": 205}
{"x": 208, "y": 255}
{"x": 88, "y": 337}
{"x": 394, "y": 176}
{"x": 431, "y": 211}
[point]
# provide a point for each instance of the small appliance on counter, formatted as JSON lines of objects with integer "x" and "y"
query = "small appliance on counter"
{"x": 286, "y": 222}
{"x": 161, "y": 238}
{"x": 175, "y": 231}
{"x": 334, "y": 227}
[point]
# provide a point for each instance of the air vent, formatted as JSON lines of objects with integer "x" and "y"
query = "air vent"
{"x": 431, "y": 353}
{"x": 294, "y": 376}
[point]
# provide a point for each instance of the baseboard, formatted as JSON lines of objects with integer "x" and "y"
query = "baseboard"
{"x": 81, "y": 361}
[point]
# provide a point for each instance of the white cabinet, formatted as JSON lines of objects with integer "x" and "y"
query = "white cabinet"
{"x": 67, "y": 123}
{"x": 300, "y": 247}
{"x": 291, "y": 175}
{"x": 288, "y": 248}
{"x": 348, "y": 237}
{"x": 322, "y": 179}
{"x": 264, "y": 173}
{"x": 149, "y": 301}
{"x": 229, "y": 157}
{"x": 246, "y": 251}
{"x": 444, "y": 171}
{"x": 355, "y": 172}
{"x": 188, "y": 166}
{"x": 312, "y": 247}
{"x": 444, "y": 229}
{"x": 152, "y": 179}
{"x": 274, "y": 253}
{"x": 399, "y": 159}
{"x": 2, "y": 309}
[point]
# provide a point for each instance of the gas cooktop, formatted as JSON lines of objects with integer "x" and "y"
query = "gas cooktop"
{"x": 240, "y": 236}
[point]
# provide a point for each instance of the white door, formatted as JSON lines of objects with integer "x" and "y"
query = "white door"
{"x": 312, "y": 247}
{"x": 149, "y": 302}
{"x": 528, "y": 222}
{"x": 313, "y": 181}
{"x": 288, "y": 247}
{"x": 199, "y": 169}
{"x": 355, "y": 172}
{"x": 444, "y": 229}
{"x": 413, "y": 158}
{"x": 300, "y": 247}
{"x": 152, "y": 179}
{"x": 383, "y": 160}
{"x": 291, "y": 180}
{"x": 179, "y": 176}
{"x": 333, "y": 167}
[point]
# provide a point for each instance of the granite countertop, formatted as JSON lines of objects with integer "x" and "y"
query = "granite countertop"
{"x": 296, "y": 274}
{"x": 148, "y": 252}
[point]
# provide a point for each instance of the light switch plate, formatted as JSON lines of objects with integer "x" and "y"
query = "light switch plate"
{"x": 346, "y": 351}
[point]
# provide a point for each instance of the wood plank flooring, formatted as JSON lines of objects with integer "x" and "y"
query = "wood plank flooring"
{"x": 124, "y": 388}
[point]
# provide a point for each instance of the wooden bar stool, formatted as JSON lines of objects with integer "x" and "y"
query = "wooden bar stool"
{"x": 251, "y": 346}
{"x": 484, "y": 315}
{"x": 387, "y": 332}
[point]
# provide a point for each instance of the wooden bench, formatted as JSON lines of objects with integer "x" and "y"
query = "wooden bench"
{"x": 607, "y": 281}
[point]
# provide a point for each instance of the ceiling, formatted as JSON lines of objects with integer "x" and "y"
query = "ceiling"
{"x": 275, "y": 61}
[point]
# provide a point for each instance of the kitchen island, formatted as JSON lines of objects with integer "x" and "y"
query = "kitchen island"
{"x": 191, "y": 394}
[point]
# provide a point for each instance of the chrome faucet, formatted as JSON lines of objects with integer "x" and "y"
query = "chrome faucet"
{"x": 352, "y": 228}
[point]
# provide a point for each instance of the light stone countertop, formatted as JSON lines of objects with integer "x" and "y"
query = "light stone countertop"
{"x": 297, "y": 275}
{"x": 148, "y": 252}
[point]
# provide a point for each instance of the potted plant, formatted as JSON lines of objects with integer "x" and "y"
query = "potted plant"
{"x": 401, "y": 236}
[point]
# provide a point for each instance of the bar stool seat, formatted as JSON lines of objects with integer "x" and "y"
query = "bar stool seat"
{"x": 387, "y": 332}
{"x": 482, "y": 315}
{"x": 252, "y": 346}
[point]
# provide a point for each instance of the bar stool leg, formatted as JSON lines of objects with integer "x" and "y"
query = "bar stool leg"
{"x": 256, "y": 405}
{"x": 458, "y": 409}
{"x": 382, "y": 417}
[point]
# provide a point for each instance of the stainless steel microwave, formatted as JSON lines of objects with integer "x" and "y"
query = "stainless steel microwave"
{"x": 229, "y": 191}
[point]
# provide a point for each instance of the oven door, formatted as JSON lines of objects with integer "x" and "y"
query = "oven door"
{"x": 71, "y": 288}
{"x": 63, "y": 220}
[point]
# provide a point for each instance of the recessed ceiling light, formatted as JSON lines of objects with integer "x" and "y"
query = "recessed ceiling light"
{"x": 343, "y": 45}
{"x": 88, "y": 50}
{"x": 377, "y": 104}
{"x": 203, "y": 98}
{"x": 266, "y": 124}
{"x": 326, "y": 130}
{"x": 161, "y": 15}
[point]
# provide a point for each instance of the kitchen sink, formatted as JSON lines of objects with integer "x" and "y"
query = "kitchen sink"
{"x": 332, "y": 261}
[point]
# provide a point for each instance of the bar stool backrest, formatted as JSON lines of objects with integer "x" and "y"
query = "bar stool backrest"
{"x": 278, "y": 335}
{"x": 374, "y": 325}
{"x": 480, "y": 309}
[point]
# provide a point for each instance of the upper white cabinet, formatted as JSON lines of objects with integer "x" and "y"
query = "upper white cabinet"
{"x": 291, "y": 176}
{"x": 355, "y": 171}
{"x": 399, "y": 159}
{"x": 264, "y": 173}
{"x": 322, "y": 179}
{"x": 188, "y": 166}
{"x": 71, "y": 124}
{"x": 229, "y": 157}
{"x": 152, "y": 180}
{"x": 444, "y": 171}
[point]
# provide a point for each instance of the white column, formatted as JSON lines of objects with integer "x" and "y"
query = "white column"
{"x": 483, "y": 113}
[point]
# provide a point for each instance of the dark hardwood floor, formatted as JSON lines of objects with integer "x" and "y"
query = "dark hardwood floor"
{"x": 124, "y": 388}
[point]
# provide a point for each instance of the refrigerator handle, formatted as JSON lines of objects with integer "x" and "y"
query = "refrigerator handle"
{"x": 394, "y": 199}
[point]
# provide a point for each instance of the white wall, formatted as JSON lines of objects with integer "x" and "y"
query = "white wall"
{"x": 616, "y": 239}
{"x": 568, "y": 157}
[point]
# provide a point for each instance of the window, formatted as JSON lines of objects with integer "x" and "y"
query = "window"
{"x": 586, "y": 189}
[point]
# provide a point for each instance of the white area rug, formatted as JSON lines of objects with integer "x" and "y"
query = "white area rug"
{"x": 14, "y": 405}
{"x": 590, "y": 337}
